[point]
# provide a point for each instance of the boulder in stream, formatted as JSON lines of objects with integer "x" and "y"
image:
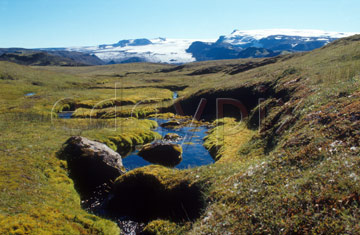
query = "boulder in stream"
{"x": 166, "y": 154}
{"x": 90, "y": 163}
{"x": 172, "y": 137}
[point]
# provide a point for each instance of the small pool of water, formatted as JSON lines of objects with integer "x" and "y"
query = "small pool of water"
{"x": 30, "y": 94}
{"x": 194, "y": 153}
{"x": 65, "y": 114}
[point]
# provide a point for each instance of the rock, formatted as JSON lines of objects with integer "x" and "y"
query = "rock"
{"x": 90, "y": 163}
{"x": 154, "y": 192}
{"x": 172, "y": 137}
{"x": 166, "y": 154}
{"x": 171, "y": 124}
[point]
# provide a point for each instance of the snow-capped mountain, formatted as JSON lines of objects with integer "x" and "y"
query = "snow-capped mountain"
{"x": 238, "y": 44}
{"x": 237, "y": 35}
{"x": 262, "y": 43}
{"x": 281, "y": 39}
{"x": 159, "y": 50}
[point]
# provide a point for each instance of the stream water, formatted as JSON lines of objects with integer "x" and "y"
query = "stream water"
{"x": 65, "y": 114}
{"x": 30, "y": 94}
{"x": 194, "y": 153}
{"x": 191, "y": 138}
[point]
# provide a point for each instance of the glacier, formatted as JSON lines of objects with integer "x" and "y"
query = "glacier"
{"x": 176, "y": 51}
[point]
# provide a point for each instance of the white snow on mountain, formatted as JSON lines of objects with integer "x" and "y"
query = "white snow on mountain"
{"x": 241, "y": 37}
{"x": 259, "y": 34}
{"x": 168, "y": 51}
{"x": 159, "y": 51}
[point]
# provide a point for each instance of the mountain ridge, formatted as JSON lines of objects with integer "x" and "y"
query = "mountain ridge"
{"x": 271, "y": 42}
{"x": 38, "y": 59}
{"x": 236, "y": 45}
{"x": 54, "y": 56}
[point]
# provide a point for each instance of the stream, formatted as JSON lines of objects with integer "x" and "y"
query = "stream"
{"x": 194, "y": 153}
{"x": 65, "y": 114}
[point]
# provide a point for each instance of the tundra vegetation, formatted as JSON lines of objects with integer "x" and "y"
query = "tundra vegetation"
{"x": 294, "y": 170}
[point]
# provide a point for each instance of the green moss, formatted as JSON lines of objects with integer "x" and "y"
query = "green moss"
{"x": 169, "y": 194}
{"x": 178, "y": 149}
{"x": 226, "y": 138}
{"x": 126, "y": 134}
{"x": 37, "y": 195}
{"x": 162, "y": 115}
{"x": 157, "y": 227}
{"x": 110, "y": 113}
{"x": 166, "y": 176}
{"x": 45, "y": 221}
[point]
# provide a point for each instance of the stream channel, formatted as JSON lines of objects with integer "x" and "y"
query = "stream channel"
{"x": 194, "y": 154}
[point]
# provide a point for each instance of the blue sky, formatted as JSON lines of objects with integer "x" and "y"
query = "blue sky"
{"x": 58, "y": 23}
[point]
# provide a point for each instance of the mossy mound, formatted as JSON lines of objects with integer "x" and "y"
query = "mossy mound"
{"x": 171, "y": 124}
{"x": 51, "y": 221}
{"x": 123, "y": 139}
{"x": 162, "y": 115}
{"x": 226, "y": 138}
{"x": 114, "y": 112}
{"x": 166, "y": 154}
{"x": 156, "y": 192}
{"x": 162, "y": 227}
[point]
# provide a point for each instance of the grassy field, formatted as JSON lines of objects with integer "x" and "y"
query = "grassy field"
{"x": 295, "y": 173}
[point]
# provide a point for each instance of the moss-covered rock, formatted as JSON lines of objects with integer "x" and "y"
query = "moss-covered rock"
{"x": 166, "y": 154}
{"x": 171, "y": 124}
{"x": 172, "y": 137}
{"x": 90, "y": 163}
{"x": 154, "y": 192}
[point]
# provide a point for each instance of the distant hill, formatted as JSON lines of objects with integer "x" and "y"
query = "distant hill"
{"x": 84, "y": 58}
{"x": 39, "y": 59}
{"x": 48, "y": 57}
